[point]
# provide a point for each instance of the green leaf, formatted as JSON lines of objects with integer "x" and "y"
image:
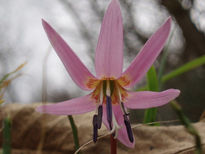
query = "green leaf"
{"x": 152, "y": 84}
{"x": 150, "y": 116}
{"x": 184, "y": 68}
{"x": 152, "y": 80}
{"x": 145, "y": 88}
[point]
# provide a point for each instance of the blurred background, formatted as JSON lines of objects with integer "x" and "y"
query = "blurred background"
{"x": 23, "y": 39}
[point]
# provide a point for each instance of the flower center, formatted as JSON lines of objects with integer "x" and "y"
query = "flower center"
{"x": 114, "y": 89}
{"x": 109, "y": 92}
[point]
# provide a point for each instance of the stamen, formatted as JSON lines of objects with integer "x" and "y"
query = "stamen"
{"x": 123, "y": 108}
{"x": 95, "y": 128}
{"x": 109, "y": 111}
{"x": 101, "y": 94}
{"x": 121, "y": 103}
{"x": 99, "y": 116}
{"x": 120, "y": 100}
{"x": 128, "y": 128}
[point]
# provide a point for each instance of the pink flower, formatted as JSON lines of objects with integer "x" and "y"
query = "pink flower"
{"x": 110, "y": 97}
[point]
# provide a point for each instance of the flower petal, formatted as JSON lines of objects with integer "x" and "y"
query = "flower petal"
{"x": 109, "y": 51}
{"x": 146, "y": 56}
{"x": 148, "y": 99}
{"x": 74, "y": 106}
{"x": 77, "y": 70}
{"x": 122, "y": 133}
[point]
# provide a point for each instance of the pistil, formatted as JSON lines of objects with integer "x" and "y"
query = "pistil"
{"x": 100, "y": 108}
{"x": 108, "y": 104}
{"x": 109, "y": 111}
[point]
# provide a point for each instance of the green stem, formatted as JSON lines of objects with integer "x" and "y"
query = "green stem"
{"x": 75, "y": 132}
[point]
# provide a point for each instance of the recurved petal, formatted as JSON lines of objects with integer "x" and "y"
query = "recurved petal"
{"x": 146, "y": 56}
{"x": 109, "y": 51}
{"x": 74, "y": 106}
{"x": 77, "y": 70}
{"x": 149, "y": 99}
{"x": 122, "y": 133}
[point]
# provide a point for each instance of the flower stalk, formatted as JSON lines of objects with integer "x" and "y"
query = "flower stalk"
{"x": 113, "y": 145}
{"x": 75, "y": 132}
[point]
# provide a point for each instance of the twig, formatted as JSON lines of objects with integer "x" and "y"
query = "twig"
{"x": 188, "y": 126}
{"x": 44, "y": 98}
{"x": 188, "y": 149}
{"x": 108, "y": 133}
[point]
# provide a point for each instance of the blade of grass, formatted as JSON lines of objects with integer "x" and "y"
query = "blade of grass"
{"x": 44, "y": 100}
{"x": 189, "y": 127}
{"x": 8, "y": 74}
{"x": 180, "y": 70}
{"x": 152, "y": 84}
{"x": 184, "y": 68}
{"x": 7, "y": 136}
{"x": 164, "y": 59}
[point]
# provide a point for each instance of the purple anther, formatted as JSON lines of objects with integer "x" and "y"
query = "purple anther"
{"x": 100, "y": 113}
{"x": 109, "y": 110}
{"x": 128, "y": 128}
{"x": 95, "y": 128}
{"x": 123, "y": 109}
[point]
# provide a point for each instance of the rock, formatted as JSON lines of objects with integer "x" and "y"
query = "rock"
{"x": 33, "y": 132}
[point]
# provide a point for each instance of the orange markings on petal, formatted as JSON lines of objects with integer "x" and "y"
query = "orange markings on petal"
{"x": 124, "y": 95}
{"x": 115, "y": 99}
{"x": 92, "y": 83}
{"x": 115, "y": 94}
{"x": 124, "y": 80}
{"x": 96, "y": 93}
